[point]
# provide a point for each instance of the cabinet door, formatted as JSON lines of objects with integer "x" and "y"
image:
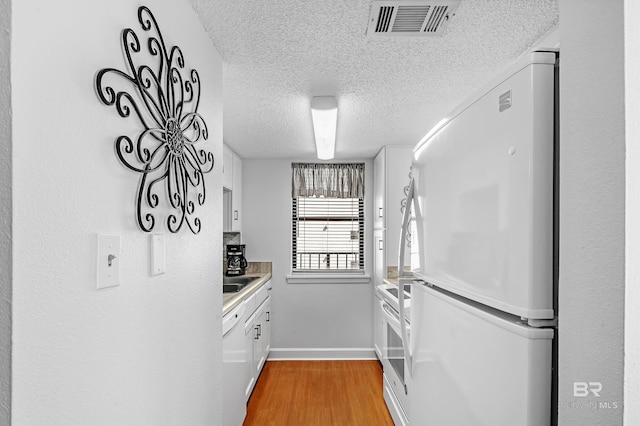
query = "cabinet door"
{"x": 257, "y": 338}
{"x": 249, "y": 339}
{"x": 259, "y": 348}
{"x": 378, "y": 326}
{"x": 379, "y": 189}
{"x": 262, "y": 345}
{"x": 227, "y": 167}
{"x": 398, "y": 166}
{"x": 266, "y": 333}
{"x": 379, "y": 265}
{"x": 236, "y": 195}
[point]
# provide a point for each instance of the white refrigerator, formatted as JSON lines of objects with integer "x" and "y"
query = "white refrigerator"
{"x": 483, "y": 256}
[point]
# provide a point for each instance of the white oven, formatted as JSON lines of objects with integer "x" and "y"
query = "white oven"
{"x": 396, "y": 386}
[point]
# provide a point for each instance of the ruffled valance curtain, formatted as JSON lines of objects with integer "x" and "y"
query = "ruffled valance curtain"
{"x": 335, "y": 180}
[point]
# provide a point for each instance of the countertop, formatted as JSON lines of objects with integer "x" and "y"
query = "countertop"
{"x": 261, "y": 272}
{"x": 392, "y": 275}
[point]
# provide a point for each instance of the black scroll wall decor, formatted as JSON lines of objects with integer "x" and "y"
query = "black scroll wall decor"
{"x": 164, "y": 98}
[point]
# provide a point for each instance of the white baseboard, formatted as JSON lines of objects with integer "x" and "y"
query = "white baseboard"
{"x": 287, "y": 354}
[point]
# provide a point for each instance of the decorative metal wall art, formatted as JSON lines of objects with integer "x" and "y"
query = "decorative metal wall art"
{"x": 164, "y": 98}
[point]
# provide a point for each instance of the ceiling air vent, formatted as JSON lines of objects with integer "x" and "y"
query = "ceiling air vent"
{"x": 410, "y": 17}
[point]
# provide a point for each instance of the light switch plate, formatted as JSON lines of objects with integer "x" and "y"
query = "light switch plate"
{"x": 108, "y": 261}
{"x": 158, "y": 263}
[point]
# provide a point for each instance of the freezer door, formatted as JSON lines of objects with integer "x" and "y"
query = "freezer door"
{"x": 484, "y": 196}
{"x": 473, "y": 368}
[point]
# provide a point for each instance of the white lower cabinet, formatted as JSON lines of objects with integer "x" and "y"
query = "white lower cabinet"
{"x": 261, "y": 345}
{"x": 257, "y": 338}
{"x": 250, "y": 377}
{"x": 378, "y": 325}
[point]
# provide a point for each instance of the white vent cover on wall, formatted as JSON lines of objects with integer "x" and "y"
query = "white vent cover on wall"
{"x": 410, "y": 17}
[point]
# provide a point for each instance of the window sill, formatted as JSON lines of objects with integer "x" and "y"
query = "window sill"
{"x": 311, "y": 278}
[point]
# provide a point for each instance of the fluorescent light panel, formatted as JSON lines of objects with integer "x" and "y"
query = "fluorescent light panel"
{"x": 324, "y": 113}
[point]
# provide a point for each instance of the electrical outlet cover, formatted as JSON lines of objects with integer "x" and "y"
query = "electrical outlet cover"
{"x": 158, "y": 262}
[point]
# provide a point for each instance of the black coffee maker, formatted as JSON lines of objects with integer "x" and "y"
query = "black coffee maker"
{"x": 236, "y": 262}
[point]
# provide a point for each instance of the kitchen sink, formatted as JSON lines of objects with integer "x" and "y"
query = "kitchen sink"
{"x": 232, "y": 288}
{"x": 235, "y": 284}
{"x": 237, "y": 280}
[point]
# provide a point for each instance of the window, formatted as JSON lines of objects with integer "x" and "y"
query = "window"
{"x": 327, "y": 217}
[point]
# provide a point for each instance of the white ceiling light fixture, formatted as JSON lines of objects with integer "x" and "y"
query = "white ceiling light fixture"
{"x": 324, "y": 113}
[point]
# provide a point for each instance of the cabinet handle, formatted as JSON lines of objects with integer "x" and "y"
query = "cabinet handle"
{"x": 259, "y": 330}
{"x": 380, "y": 212}
{"x": 257, "y": 333}
{"x": 380, "y": 245}
{"x": 235, "y": 215}
{"x": 268, "y": 316}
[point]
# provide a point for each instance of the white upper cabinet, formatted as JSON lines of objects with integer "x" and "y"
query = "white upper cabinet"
{"x": 379, "y": 189}
{"x": 391, "y": 169}
{"x": 232, "y": 184}
{"x": 227, "y": 167}
{"x": 236, "y": 195}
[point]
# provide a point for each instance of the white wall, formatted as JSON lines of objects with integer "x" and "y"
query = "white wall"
{"x": 5, "y": 213}
{"x": 332, "y": 317}
{"x": 148, "y": 351}
{"x": 592, "y": 201}
{"x": 632, "y": 224}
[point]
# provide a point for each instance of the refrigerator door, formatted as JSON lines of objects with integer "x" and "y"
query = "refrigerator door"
{"x": 484, "y": 195}
{"x": 472, "y": 367}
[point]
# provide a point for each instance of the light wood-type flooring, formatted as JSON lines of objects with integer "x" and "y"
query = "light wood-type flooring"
{"x": 326, "y": 393}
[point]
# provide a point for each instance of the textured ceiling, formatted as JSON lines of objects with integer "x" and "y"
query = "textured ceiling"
{"x": 391, "y": 90}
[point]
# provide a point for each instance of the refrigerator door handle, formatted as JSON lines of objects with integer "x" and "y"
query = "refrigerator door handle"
{"x": 403, "y": 233}
{"x": 403, "y": 281}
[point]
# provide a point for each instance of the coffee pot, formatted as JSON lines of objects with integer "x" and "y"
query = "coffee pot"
{"x": 236, "y": 262}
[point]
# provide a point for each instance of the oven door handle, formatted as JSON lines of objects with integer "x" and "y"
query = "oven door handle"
{"x": 390, "y": 314}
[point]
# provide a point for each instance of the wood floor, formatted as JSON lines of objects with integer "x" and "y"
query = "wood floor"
{"x": 309, "y": 393}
